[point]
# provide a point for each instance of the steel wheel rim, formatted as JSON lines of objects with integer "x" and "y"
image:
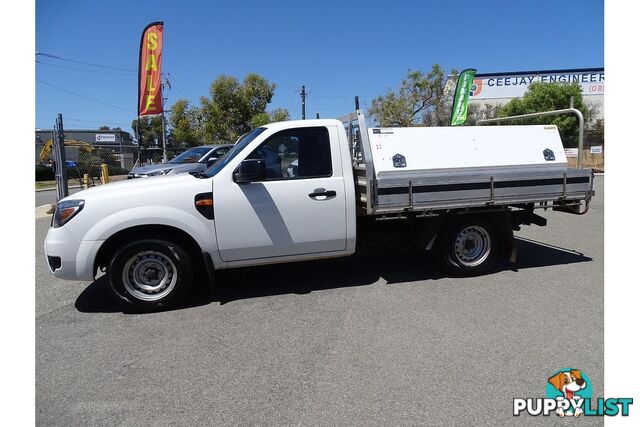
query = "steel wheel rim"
{"x": 149, "y": 275}
{"x": 472, "y": 246}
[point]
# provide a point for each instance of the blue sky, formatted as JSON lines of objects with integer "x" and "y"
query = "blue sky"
{"x": 338, "y": 49}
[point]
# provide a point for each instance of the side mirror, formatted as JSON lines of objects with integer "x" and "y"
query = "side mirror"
{"x": 250, "y": 170}
{"x": 211, "y": 161}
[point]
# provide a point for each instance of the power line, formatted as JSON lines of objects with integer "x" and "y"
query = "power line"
{"x": 84, "y": 96}
{"x": 343, "y": 96}
{"x": 179, "y": 87}
{"x": 95, "y": 121}
{"x": 82, "y": 127}
{"x": 91, "y": 64}
{"x": 291, "y": 101}
{"x": 85, "y": 69}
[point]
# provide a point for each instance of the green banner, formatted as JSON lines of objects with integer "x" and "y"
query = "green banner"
{"x": 461, "y": 99}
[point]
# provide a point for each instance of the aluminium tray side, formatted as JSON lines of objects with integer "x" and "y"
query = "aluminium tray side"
{"x": 471, "y": 188}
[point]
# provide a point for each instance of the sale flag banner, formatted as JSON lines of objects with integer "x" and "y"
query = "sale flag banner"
{"x": 149, "y": 70}
{"x": 461, "y": 98}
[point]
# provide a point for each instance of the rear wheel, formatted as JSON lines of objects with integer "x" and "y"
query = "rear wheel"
{"x": 150, "y": 274}
{"x": 467, "y": 246}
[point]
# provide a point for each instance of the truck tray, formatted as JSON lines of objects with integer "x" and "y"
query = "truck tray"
{"x": 513, "y": 165}
{"x": 472, "y": 188}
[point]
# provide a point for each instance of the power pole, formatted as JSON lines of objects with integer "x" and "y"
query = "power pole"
{"x": 62, "y": 188}
{"x": 165, "y": 159}
{"x": 303, "y": 95}
{"x": 138, "y": 139}
{"x": 164, "y": 138}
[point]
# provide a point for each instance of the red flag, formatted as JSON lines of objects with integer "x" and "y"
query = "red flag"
{"x": 149, "y": 70}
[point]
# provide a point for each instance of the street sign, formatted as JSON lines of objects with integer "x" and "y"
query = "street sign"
{"x": 596, "y": 149}
{"x": 71, "y": 164}
{"x": 571, "y": 152}
{"x": 105, "y": 137}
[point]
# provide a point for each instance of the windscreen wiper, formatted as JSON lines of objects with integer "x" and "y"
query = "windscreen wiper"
{"x": 199, "y": 174}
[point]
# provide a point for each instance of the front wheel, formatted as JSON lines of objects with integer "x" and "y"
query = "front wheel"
{"x": 467, "y": 246}
{"x": 150, "y": 274}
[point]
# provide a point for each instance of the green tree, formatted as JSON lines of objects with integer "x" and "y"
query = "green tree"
{"x": 231, "y": 109}
{"x": 278, "y": 115}
{"x": 231, "y": 105}
{"x": 150, "y": 131}
{"x": 416, "y": 101}
{"x": 183, "y": 124}
{"x": 546, "y": 97}
{"x": 595, "y": 135}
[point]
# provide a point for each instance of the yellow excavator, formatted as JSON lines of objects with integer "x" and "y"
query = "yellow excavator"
{"x": 48, "y": 146}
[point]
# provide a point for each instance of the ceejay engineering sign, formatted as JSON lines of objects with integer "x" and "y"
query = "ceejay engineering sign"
{"x": 149, "y": 70}
{"x": 505, "y": 85}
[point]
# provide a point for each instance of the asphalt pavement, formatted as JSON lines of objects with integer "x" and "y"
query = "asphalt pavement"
{"x": 380, "y": 339}
{"x": 48, "y": 197}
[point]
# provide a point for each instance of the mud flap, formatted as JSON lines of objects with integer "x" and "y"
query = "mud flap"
{"x": 208, "y": 265}
{"x": 509, "y": 246}
{"x": 514, "y": 253}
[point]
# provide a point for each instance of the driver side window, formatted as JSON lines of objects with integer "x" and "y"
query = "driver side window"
{"x": 296, "y": 154}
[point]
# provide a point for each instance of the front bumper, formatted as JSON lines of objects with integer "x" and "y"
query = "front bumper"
{"x": 74, "y": 257}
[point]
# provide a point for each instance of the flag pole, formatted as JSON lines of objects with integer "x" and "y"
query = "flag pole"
{"x": 138, "y": 137}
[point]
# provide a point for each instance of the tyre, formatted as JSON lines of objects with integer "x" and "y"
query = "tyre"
{"x": 467, "y": 246}
{"x": 150, "y": 274}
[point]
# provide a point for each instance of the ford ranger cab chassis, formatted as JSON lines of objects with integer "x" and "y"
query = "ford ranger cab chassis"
{"x": 313, "y": 189}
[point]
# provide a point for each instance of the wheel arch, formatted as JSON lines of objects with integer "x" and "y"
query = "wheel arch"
{"x": 138, "y": 232}
{"x": 500, "y": 220}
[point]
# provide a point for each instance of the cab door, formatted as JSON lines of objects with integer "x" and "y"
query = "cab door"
{"x": 297, "y": 208}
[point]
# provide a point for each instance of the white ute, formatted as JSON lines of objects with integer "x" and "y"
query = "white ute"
{"x": 299, "y": 190}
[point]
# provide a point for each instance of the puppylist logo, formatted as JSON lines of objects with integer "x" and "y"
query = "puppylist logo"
{"x": 569, "y": 394}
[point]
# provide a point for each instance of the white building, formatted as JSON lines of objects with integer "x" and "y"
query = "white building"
{"x": 499, "y": 88}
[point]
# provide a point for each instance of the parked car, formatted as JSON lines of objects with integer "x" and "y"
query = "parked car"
{"x": 196, "y": 159}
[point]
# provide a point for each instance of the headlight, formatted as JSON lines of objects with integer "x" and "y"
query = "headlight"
{"x": 66, "y": 210}
{"x": 160, "y": 172}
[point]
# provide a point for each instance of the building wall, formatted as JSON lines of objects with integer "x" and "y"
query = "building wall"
{"x": 596, "y": 101}
{"x": 112, "y": 140}
{"x": 500, "y": 88}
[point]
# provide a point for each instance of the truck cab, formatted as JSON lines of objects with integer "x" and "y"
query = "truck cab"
{"x": 250, "y": 208}
{"x": 263, "y": 207}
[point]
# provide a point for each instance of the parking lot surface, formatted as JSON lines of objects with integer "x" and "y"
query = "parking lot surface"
{"x": 379, "y": 339}
{"x": 48, "y": 197}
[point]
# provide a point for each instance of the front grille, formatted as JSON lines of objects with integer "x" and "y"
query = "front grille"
{"x": 54, "y": 262}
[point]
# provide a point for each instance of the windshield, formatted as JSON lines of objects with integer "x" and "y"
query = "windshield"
{"x": 238, "y": 147}
{"x": 192, "y": 155}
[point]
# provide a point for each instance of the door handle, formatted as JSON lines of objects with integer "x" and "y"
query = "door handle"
{"x": 319, "y": 192}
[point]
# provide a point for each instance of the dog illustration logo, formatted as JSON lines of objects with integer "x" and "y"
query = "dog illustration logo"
{"x": 569, "y": 393}
{"x": 570, "y": 383}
